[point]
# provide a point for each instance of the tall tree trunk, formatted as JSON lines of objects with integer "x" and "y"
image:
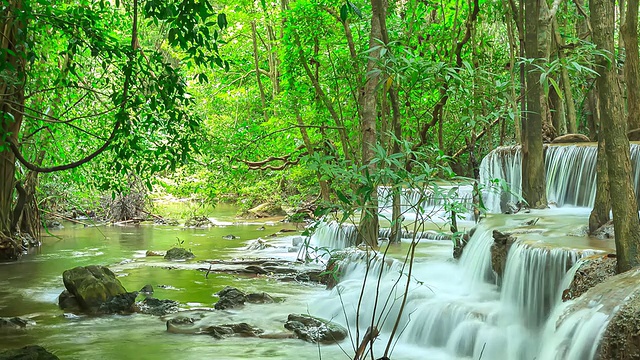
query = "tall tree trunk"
{"x": 368, "y": 227}
{"x": 11, "y": 109}
{"x": 602, "y": 205}
{"x": 623, "y": 199}
{"x": 629, "y": 34}
{"x": 533, "y": 173}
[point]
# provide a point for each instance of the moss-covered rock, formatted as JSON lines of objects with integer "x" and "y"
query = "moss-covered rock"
{"x": 96, "y": 289}
{"x": 179, "y": 254}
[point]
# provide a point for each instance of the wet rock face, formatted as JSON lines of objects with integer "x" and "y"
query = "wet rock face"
{"x": 31, "y": 352}
{"x": 499, "y": 250}
{"x": 96, "y": 290}
{"x": 179, "y": 254}
{"x": 621, "y": 340}
{"x": 592, "y": 271}
{"x": 315, "y": 330}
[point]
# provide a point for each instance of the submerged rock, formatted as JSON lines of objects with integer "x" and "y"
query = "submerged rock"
{"x": 189, "y": 325}
{"x": 258, "y": 244}
{"x": 315, "y": 330}
{"x": 231, "y": 297}
{"x": 96, "y": 290}
{"x": 230, "y": 237}
{"x": 179, "y": 254}
{"x": 31, "y": 352}
{"x": 14, "y": 323}
{"x": 225, "y": 330}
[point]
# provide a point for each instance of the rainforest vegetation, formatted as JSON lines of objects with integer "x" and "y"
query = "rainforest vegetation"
{"x": 308, "y": 103}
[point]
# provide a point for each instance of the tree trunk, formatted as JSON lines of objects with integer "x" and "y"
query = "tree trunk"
{"x": 533, "y": 173}
{"x": 368, "y": 227}
{"x": 600, "y": 213}
{"x": 629, "y": 34}
{"x": 11, "y": 109}
{"x": 623, "y": 199}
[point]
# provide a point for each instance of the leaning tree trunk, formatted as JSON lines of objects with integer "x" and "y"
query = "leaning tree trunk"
{"x": 12, "y": 31}
{"x": 623, "y": 199}
{"x": 533, "y": 173}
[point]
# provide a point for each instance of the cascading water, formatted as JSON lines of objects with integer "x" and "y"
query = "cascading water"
{"x": 455, "y": 310}
{"x": 570, "y": 173}
{"x": 431, "y": 202}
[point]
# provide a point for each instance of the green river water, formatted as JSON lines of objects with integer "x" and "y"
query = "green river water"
{"x": 29, "y": 289}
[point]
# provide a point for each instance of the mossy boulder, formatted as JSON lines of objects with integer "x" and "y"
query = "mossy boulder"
{"x": 96, "y": 290}
{"x": 179, "y": 254}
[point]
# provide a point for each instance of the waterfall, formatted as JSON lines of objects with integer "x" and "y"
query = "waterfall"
{"x": 333, "y": 236}
{"x": 456, "y": 310}
{"x": 431, "y": 202}
{"x": 532, "y": 279}
{"x": 570, "y": 175}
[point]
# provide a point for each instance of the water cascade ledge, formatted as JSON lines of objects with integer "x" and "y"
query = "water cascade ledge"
{"x": 455, "y": 310}
{"x": 570, "y": 173}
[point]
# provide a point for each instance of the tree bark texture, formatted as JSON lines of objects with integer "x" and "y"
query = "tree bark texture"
{"x": 368, "y": 228}
{"x": 533, "y": 173}
{"x": 602, "y": 205}
{"x": 629, "y": 34}
{"x": 623, "y": 199}
{"x": 11, "y": 105}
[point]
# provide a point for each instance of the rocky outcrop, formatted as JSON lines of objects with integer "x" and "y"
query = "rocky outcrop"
{"x": 591, "y": 271}
{"x": 178, "y": 253}
{"x": 499, "y": 250}
{"x": 231, "y": 297}
{"x": 315, "y": 330}
{"x": 31, "y": 352}
{"x": 605, "y": 320}
{"x": 571, "y": 138}
{"x": 95, "y": 290}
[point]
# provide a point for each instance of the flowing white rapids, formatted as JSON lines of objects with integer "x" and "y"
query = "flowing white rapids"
{"x": 570, "y": 173}
{"x": 455, "y": 310}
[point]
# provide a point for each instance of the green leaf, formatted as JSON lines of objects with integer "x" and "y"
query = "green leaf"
{"x": 344, "y": 12}
{"x": 222, "y": 21}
